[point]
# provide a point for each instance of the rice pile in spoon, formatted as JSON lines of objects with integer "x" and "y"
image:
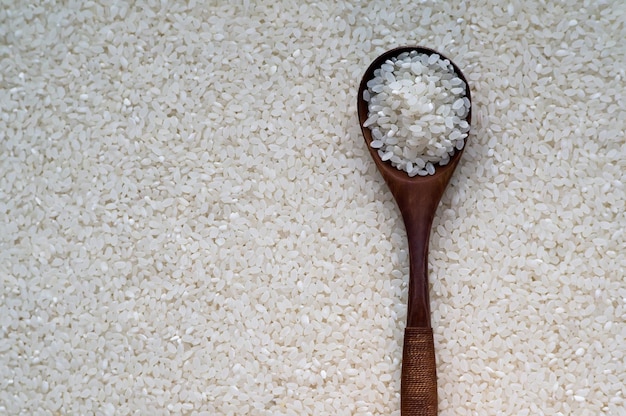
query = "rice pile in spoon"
{"x": 417, "y": 112}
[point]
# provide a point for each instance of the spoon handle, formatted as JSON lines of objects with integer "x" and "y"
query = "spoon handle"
{"x": 418, "y": 390}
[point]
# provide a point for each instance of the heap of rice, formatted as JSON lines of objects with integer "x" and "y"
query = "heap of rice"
{"x": 417, "y": 112}
{"x": 191, "y": 224}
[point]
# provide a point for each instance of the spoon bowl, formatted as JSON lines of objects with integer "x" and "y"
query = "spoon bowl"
{"x": 417, "y": 198}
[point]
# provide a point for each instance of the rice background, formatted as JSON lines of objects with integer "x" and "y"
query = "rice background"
{"x": 191, "y": 224}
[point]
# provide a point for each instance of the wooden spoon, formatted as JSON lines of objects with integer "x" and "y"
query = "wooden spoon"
{"x": 417, "y": 198}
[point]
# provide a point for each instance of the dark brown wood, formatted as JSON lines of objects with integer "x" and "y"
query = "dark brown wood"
{"x": 417, "y": 199}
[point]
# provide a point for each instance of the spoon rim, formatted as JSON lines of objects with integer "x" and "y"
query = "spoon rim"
{"x": 389, "y": 170}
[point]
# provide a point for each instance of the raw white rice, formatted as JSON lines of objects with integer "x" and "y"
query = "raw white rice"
{"x": 417, "y": 112}
{"x": 191, "y": 224}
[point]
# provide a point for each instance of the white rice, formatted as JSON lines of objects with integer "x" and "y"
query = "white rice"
{"x": 417, "y": 112}
{"x": 190, "y": 222}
